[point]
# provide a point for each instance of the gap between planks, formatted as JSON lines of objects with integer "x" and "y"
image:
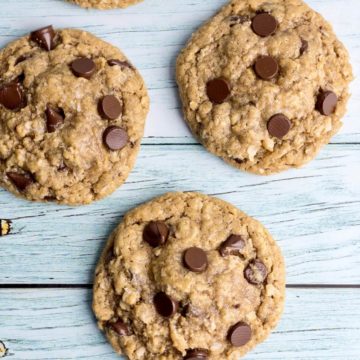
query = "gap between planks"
{"x": 90, "y": 286}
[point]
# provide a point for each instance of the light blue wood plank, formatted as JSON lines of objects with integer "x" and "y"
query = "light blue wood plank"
{"x": 153, "y": 33}
{"x": 58, "y": 324}
{"x": 313, "y": 212}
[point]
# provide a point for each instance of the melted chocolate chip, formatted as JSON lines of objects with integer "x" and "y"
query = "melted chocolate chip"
{"x": 239, "y": 334}
{"x": 62, "y": 167}
{"x": 22, "y": 58}
{"x": 165, "y": 305}
{"x": 20, "y": 180}
{"x": 256, "y": 272}
{"x": 238, "y": 19}
{"x": 232, "y": 246}
{"x": 304, "y": 46}
{"x": 156, "y": 233}
{"x": 54, "y": 118}
{"x": 184, "y": 310}
{"x": 114, "y": 62}
{"x": 120, "y": 328}
{"x": 195, "y": 259}
{"x": 50, "y": 198}
{"x": 44, "y": 37}
{"x": 109, "y": 255}
{"x": 83, "y": 67}
{"x": 115, "y": 138}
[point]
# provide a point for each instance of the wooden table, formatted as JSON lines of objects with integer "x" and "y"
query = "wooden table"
{"x": 47, "y": 263}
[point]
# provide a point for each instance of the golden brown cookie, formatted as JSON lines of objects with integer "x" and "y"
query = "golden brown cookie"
{"x": 188, "y": 276}
{"x": 72, "y": 114}
{"x": 264, "y": 84}
{"x": 105, "y": 4}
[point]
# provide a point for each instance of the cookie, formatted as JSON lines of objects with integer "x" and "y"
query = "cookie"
{"x": 188, "y": 276}
{"x": 3, "y": 350}
{"x": 72, "y": 114}
{"x": 264, "y": 84}
{"x": 105, "y": 4}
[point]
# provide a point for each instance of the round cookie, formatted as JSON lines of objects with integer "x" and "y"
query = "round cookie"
{"x": 264, "y": 84}
{"x": 72, "y": 114}
{"x": 188, "y": 276}
{"x": 105, "y": 4}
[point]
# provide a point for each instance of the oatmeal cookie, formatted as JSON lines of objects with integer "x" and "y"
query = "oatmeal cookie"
{"x": 264, "y": 84}
{"x": 72, "y": 114}
{"x": 188, "y": 276}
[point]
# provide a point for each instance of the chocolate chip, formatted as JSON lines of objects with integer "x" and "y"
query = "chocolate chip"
{"x": 266, "y": 67}
{"x": 165, "y": 305}
{"x": 196, "y": 354}
{"x": 115, "y": 138}
{"x": 109, "y": 255}
{"x": 264, "y": 24}
{"x": 20, "y": 79}
{"x": 185, "y": 309}
{"x": 238, "y": 19}
{"x": 239, "y": 334}
{"x": 156, "y": 233}
{"x": 22, "y": 58}
{"x": 232, "y": 246}
{"x": 304, "y": 46}
{"x": 195, "y": 260}
{"x": 21, "y": 181}
{"x": 5, "y": 227}
{"x": 326, "y": 103}
{"x": 44, "y": 37}
{"x": 83, "y": 67}
{"x": 218, "y": 90}
{"x": 62, "y": 167}
{"x": 278, "y": 126}
{"x": 114, "y": 62}
{"x": 109, "y": 107}
{"x": 12, "y": 96}
{"x": 120, "y": 328}
{"x": 54, "y": 118}
{"x": 256, "y": 272}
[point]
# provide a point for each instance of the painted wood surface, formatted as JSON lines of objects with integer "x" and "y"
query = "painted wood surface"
{"x": 152, "y": 34}
{"x": 57, "y": 324}
{"x": 314, "y": 212}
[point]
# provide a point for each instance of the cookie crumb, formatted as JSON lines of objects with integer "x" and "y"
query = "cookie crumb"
{"x": 5, "y": 228}
{"x": 3, "y": 349}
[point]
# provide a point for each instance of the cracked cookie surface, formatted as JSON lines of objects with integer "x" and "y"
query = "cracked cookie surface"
{"x": 264, "y": 84}
{"x": 105, "y": 4}
{"x": 188, "y": 276}
{"x": 72, "y": 111}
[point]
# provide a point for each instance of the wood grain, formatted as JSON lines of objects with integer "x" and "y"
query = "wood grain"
{"x": 313, "y": 212}
{"x": 58, "y": 324}
{"x": 153, "y": 33}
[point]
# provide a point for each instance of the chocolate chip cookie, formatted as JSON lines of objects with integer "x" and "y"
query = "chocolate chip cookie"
{"x": 264, "y": 84}
{"x": 188, "y": 276}
{"x": 72, "y": 114}
{"x": 105, "y": 4}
